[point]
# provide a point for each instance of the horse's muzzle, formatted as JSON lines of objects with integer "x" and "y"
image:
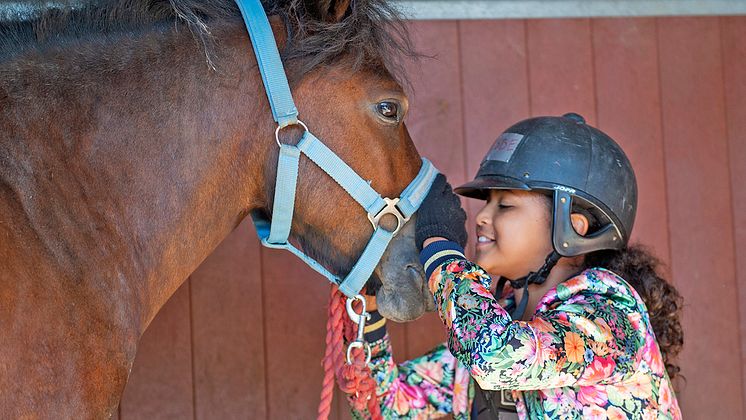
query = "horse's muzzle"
{"x": 403, "y": 294}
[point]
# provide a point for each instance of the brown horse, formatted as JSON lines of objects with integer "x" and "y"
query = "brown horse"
{"x": 135, "y": 135}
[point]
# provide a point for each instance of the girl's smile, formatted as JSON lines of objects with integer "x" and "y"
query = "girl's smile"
{"x": 513, "y": 233}
{"x": 484, "y": 240}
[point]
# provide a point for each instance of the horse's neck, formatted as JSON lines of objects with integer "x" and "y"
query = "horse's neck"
{"x": 126, "y": 177}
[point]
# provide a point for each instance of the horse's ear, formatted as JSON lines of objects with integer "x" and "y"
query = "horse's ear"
{"x": 334, "y": 10}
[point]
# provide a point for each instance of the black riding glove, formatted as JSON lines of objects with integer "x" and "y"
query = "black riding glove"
{"x": 440, "y": 215}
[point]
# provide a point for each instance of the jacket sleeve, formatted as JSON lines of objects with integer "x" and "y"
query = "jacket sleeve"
{"x": 587, "y": 339}
{"x": 429, "y": 386}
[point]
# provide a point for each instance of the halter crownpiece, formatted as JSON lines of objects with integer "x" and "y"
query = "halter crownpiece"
{"x": 275, "y": 233}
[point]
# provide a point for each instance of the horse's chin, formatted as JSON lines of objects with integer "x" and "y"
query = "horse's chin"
{"x": 403, "y": 306}
{"x": 403, "y": 295}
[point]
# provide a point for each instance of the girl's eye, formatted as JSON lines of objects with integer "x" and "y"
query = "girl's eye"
{"x": 388, "y": 110}
{"x": 504, "y": 206}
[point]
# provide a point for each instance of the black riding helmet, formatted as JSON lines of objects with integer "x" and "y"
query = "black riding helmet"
{"x": 581, "y": 167}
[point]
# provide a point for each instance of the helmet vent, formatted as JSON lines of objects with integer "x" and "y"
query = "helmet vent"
{"x": 567, "y": 242}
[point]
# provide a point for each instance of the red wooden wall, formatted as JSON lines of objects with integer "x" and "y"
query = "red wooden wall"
{"x": 243, "y": 337}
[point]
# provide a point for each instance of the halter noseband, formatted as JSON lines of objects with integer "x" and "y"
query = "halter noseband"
{"x": 275, "y": 233}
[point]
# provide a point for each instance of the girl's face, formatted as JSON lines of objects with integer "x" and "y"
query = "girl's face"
{"x": 514, "y": 233}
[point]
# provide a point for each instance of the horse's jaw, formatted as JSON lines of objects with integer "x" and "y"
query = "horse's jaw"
{"x": 403, "y": 295}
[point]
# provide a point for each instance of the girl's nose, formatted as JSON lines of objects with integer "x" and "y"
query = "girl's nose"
{"x": 484, "y": 216}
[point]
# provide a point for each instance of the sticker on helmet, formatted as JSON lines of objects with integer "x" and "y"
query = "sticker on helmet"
{"x": 565, "y": 189}
{"x": 504, "y": 147}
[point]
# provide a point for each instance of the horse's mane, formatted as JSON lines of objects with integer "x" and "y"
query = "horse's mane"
{"x": 370, "y": 34}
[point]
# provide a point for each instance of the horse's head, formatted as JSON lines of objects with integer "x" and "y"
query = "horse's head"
{"x": 359, "y": 116}
{"x": 348, "y": 98}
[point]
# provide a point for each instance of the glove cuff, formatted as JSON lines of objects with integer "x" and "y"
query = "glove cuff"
{"x": 429, "y": 231}
{"x": 376, "y": 328}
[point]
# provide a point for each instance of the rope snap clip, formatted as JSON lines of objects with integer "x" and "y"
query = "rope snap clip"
{"x": 359, "y": 319}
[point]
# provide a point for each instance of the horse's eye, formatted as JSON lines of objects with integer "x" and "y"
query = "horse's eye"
{"x": 389, "y": 110}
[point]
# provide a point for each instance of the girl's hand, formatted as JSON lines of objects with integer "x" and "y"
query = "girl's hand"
{"x": 440, "y": 215}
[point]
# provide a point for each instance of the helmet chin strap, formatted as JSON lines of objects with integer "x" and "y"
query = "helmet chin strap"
{"x": 535, "y": 277}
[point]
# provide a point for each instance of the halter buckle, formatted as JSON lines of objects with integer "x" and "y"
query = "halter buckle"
{"x": 389, "y": 208}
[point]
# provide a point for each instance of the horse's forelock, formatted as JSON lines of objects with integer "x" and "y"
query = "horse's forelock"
{"x": 371, "y": 33}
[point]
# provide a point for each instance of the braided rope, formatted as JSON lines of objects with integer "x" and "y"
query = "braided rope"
{"x": 353, "y": 379}
{"x": 334, "y": 338}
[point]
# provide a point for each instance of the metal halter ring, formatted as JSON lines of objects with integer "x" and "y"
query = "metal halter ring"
{"x": 389, "y": 208}
{"x": 277, "y": 130}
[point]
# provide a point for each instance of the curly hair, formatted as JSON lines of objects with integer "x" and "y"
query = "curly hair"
{"x": 640, "y": 268}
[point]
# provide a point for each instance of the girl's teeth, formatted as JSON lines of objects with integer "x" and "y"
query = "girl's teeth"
{"x": 483, "y": 239}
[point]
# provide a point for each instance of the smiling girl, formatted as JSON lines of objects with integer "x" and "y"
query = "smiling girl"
{"x": 587, "y": 328}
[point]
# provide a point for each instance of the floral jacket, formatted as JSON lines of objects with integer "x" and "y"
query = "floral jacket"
{"x": 589, "y": 350}
{"x": 427, "y": 387}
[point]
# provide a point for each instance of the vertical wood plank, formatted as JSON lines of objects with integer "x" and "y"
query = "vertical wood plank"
{"x": 342, "y": 406}
{"x": 295, "y": 311}
{"x": 160, "y": 385}
{"x": 629, "y": 111}
{"x": 435, "y": 111}
{"x": 495, "y": 91}
{"x": 734, "y": 62}
{"x": 227, "y": 330}
{"x": 398, "y": 335}
{"x": 436, "y": 125}
{"x": 560, "y": 67}
{"x": 699, "y": 201}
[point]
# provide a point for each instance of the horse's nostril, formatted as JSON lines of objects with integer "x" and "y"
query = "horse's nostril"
{"x": 414, "y": 268}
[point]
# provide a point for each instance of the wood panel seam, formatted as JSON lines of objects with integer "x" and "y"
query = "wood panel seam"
{"x": 730, "y": 189}
{"x": 594, "y": 81}
{"x": 191, "y": 353}
{"x": 528, "y": 68}
{"x": 663, "y": 147}
{"x": 464, "y": 148}
{"x": 264, "y": 332}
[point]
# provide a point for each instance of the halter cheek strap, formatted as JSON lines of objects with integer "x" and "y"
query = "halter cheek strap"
{"x": 275, "y": 233}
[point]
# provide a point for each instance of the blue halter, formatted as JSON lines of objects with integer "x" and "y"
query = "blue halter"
{"x": 275, "y": 233}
